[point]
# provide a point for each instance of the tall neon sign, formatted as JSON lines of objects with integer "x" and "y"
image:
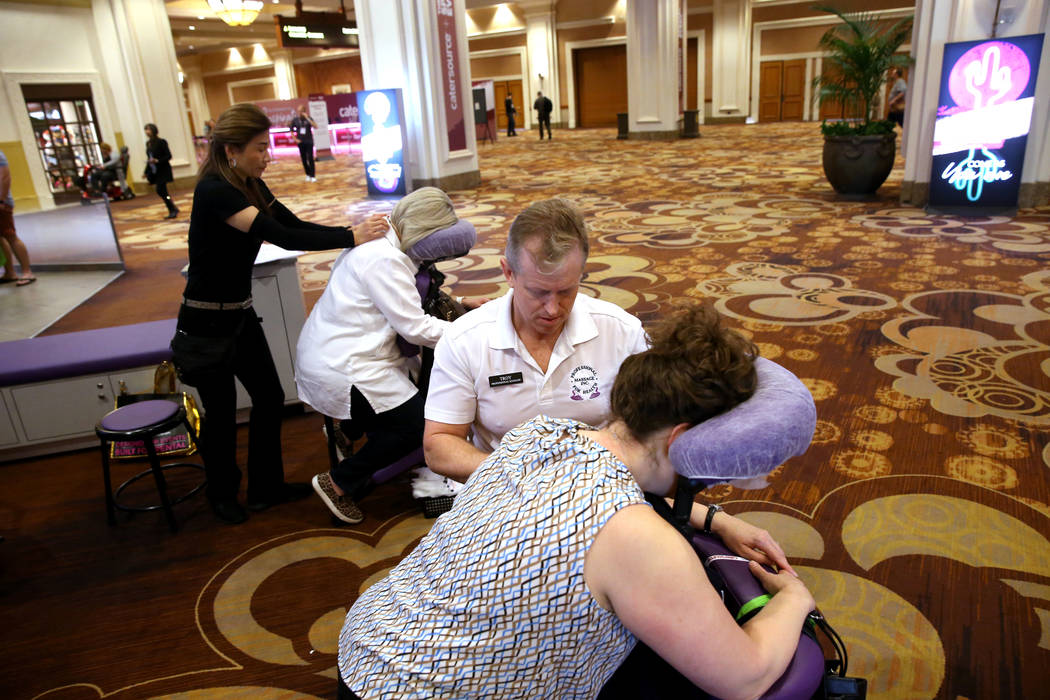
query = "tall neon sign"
{"x": 383, "y": 142}
{"x": 983, "y": 118}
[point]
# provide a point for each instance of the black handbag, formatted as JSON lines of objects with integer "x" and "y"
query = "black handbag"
{"x": 176, "y": 441}
{"x": 198, "y": 357}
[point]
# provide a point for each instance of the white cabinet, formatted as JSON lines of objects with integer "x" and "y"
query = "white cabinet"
{"x": 7, "y": 428}
{"x": 52, "y": 416}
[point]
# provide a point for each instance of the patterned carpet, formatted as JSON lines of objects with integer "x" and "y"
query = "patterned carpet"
{"x": 920, "y": 516}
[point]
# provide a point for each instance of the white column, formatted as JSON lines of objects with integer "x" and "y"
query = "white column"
{"x": 138, "y": 54}
{"x": 730, "y": 59}
{"x": 285, "y": 74}
{"x": 401, "y": 48}
{"x": 191, "y": 71}
{"x": 940, "y": 22}
{"x": 541, "y": 41}
{"x": 653, "y": 78}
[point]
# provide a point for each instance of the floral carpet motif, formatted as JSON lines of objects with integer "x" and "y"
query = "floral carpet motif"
{"x": 920, "y": 516}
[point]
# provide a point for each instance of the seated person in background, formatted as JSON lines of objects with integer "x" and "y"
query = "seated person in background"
{"x": 110, "y": 170}
{"x": 551, "y": 565}
{"x": 540, "y": 349}
{"x": 348, "y": 364}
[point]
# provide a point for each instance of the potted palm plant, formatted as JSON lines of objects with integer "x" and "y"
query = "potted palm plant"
{"x": 859, "y": 151}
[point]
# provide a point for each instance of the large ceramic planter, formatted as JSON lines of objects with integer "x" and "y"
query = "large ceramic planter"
{"x": 856, "y": 166}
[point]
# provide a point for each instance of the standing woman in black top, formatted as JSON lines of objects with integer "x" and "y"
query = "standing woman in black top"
{"x": 158, "y": 167}
{"x": 219, "y": 335}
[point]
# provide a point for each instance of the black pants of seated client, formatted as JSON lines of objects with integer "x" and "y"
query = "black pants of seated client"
{"x": 391, "y": 435}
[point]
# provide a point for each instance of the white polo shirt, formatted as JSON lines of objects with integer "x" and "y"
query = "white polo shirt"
{"x": 484, "y": 375}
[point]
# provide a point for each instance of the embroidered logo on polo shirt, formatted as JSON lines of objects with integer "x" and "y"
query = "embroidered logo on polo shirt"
{"x": 584, "y": 383}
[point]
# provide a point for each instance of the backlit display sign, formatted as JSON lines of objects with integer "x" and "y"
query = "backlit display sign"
{"x": 293, "y": 32}
{"x": 381, "y": 113}
{"x": 983, "y": 117}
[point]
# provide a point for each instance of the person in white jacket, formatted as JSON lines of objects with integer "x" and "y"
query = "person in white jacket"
{"x": 348, "y": 364}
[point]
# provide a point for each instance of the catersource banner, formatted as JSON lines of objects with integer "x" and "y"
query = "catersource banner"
{"x": 983, "y": 117}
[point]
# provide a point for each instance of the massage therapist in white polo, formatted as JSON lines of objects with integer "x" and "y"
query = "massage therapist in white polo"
{"x": 540, "y": 349}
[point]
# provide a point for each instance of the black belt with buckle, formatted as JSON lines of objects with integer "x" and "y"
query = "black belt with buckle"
{"x": 217, "y": 305}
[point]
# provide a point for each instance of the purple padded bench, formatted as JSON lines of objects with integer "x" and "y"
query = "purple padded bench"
{"x": 85, "y": 352}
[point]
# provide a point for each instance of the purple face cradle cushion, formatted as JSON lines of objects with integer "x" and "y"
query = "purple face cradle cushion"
{"x": 753, "y": 438}
{"x": 445, "y": 244}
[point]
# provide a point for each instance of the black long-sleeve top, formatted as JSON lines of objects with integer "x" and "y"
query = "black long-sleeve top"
{"x": 221, "y": 257}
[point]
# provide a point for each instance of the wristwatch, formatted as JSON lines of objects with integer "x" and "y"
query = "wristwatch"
{"x": 711, "y": 510}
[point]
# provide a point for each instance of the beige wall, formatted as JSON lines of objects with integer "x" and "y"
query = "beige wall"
{"x": 494, "y": 66}
{"x": 497, "y": 42}
{"x": 577, "y": 10}
{"x": 778, "y": 12}
{"x": 215, "y": 87}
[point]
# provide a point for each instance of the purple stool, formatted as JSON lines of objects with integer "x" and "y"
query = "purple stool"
{"x": 143, "y": 421}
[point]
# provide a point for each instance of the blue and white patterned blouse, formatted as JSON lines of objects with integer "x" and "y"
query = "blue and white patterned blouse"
{"x": 492, "y": 603}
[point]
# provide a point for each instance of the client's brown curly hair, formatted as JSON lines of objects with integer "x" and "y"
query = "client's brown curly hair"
{"x": 694, "y": 369}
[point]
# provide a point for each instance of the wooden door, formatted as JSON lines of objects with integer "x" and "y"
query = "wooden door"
{"x": 502, "y": 88}
{"x": 793, "y": 90}
{"x": 601, "y": 84}
{"x": 830, "y": 109}
{"x": 769, "y": 90}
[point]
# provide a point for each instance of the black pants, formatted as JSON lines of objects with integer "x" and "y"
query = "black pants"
{"x": 391, "y": 435}
{"x": 306, "y": 154}
{"x": 511, "y": 125}
{"x": 254, "y": 367}
{"x": 162, "y": 192}
{"x": 545, "y": 120}
{"x": 898, "y": 117}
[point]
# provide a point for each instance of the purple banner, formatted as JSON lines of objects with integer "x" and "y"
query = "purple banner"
{"x": 342, "y": 108}
{"x": 449, "y": 49}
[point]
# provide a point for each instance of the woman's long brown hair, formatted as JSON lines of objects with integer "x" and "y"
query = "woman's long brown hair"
{"x": 236, "y": 127}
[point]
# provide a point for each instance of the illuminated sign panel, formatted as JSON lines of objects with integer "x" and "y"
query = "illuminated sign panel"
{"x": 983, "y": 117}
{"x": 383, "y": 141}
{"x": 293, "y": 32}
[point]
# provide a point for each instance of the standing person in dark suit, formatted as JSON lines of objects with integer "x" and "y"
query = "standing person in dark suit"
{"x": 508, "y": 105}
{"x": 543, "y": 107}
{"x": 158, "y": 167}
{"x": 302, "y": 127}
{"x": 219, "y": 336}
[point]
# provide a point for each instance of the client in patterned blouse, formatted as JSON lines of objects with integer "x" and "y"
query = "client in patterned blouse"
{"x": 551, "y": 564}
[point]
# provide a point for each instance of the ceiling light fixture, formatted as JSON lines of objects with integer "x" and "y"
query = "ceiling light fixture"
{"x": 236, "y": 13}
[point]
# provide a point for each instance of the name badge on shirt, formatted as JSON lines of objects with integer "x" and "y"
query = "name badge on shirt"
{"x": 505, "y": 379}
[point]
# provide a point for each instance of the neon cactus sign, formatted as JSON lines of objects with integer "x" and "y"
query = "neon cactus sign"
{"x": 985, "y": 112}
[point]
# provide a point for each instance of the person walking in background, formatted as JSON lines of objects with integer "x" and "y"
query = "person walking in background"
{"x": 302, "y": 127}
{"x": 543, "y": 107}
{"x": 12, "y": 245}
{"x": 508, "y": 106}
{"x": 158, "y": 167}
{"x": 895, "y": 102}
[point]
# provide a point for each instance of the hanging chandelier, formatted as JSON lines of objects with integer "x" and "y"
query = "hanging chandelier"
{"x": 236, "y": 13}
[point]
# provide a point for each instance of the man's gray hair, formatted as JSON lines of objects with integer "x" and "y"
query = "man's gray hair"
{"x": 557, "y": 224}
{"x": 421, "y": 213}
